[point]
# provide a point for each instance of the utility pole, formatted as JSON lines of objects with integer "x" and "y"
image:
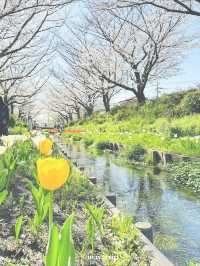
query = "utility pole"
{"x": 158, "y": 90}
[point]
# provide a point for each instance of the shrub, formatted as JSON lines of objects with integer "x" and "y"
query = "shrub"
{"x": 165, "y": 105}
{"x": 81, "y": 122}
{"x": 115, "y": 110}
{"x": 185, "y": 126}
{"x": 175, "y": 132}
{"x": 187, "y": 174}
{"x": 124, "y": 112}
{"x": 12, "y": 121}
{"x": 76, "y": 137}
{"x": 148, "y": 158}
{"x": 162, "y": 125}
{"x": 103, "y": 145}
{"x": 136, "y": 153}
{"x": 191, "y": 102}
{"x": 171, "y": 99}
{"x": 71, "y": 123}
{"x": 99, "y": 118}
{"x": 88, "y": 142}
{"x": 18, "y": 130}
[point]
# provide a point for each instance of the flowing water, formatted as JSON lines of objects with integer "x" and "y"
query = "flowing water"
{"x": 173, "y": 211}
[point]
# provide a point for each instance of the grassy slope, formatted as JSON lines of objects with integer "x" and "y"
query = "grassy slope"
{"x": 157, "y": 125}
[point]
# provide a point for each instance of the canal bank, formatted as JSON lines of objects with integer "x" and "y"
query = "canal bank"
{"x": 174, "y": 212}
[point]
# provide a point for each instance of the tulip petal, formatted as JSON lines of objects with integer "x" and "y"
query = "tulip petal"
{"x": 52, "y": 172}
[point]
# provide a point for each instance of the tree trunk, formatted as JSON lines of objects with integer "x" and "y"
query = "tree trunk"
{"x": 12, "y": 108}
{"x": 141, "y": 97}
{"x": 67, "y": 120}
{"x": 19, "y": 114}
{"x": 70, "y": 117}
{"x": 106, "y": 102}
{"x": 78, "y": 113}
{"x": 89, "y": 109}
{"x": 5, "y": 98}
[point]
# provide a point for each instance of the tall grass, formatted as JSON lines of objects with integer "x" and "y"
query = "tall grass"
{"x": 130, "y": 126}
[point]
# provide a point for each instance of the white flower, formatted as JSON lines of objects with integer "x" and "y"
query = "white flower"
{"x": 10, "y": 140}
{"x": 2, "y": 149}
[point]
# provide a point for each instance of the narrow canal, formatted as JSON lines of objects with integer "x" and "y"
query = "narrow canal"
{"x": 173, "y": 211}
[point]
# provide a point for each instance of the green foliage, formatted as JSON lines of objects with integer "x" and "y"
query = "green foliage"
{"x": 12, "y": 121}
{"x": 18, "y": 227}
{"x": 123, "y": 113}
{"x": 123, "y": 227}
{"x": 53, "y": 246}
{"x": 3, "y": 196}
{"x": 67, "y": 255}
{"x": 148, "y": 159}
{"x": 42, "y": 202}
{"x": 76, "y": 137}
{"x": 4, "y": 177}
{"x": 88, "y": 142}
{"x": 165, "y": 242}
{"x": 115, "y": 110}
{"x": 191, "y": 102}
{"x": 95, "y": 220}
{"x": 20, "y": 156}
{"x": 23, "y": 150}
{"x": 187, "y": 174}
{"x": 60, "y": 250}
{"x": 103, "y": 145}
{"x": 136, "y": 152}
{"x": 8, "y": 166}
{"x": 90, "y": 229}
{"x": 18, "y": 130}
{"x": 156, "y": 125}
{"x": 126, "y": 248}
{"x": 99, "y": 118}
{"x": 186, "y": 126}
{"x": 22, "y": 202}
{"x": 192, "y": 263}
{"x": 26, "y": 156}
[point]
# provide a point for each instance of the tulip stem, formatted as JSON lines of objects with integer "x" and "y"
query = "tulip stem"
{"x": 51, "y": 210}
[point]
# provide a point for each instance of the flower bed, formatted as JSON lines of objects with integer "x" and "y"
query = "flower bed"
{"x": 88, "y": 234}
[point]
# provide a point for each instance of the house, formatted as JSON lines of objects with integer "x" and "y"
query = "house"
{"x": 128, "y": 101}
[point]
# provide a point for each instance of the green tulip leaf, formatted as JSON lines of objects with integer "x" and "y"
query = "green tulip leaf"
{"x": 53, "y": 245}
{"x": 66, "y": 249}
{"x": 18, "y": 226}
{"x": 3, "y": 196}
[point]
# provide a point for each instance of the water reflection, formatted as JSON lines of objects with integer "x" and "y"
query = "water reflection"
{"x": 148, "y": 195}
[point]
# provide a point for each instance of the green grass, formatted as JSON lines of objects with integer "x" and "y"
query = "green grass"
{"x": 149, "y": 126}
{"x": 149, "y": 136}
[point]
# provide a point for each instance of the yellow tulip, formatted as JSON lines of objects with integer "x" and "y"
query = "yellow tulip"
{"x": 45, "y": 146}
{"x": 52, "y": 172}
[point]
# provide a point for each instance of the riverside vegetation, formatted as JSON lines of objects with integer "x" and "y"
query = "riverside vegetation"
{"x": 170, "y": 123}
